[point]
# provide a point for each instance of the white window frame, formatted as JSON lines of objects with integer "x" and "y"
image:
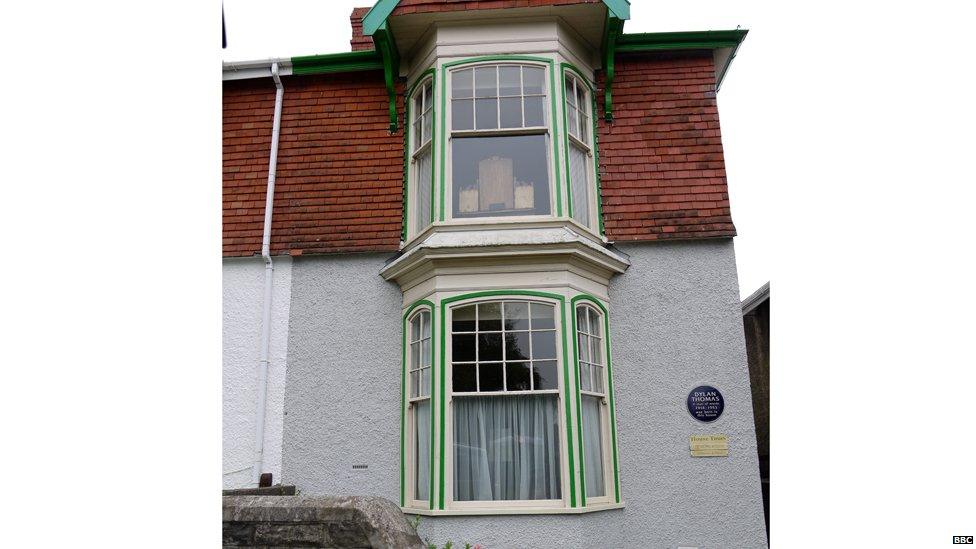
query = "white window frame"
{"x": 606, "y": 443}
{"x": 419, "y": 149}
{"x": 584, "y": 142}
{"x": 411, "y": 439}
{"x": 450, "y": 134}
{"x": 448, "y": 434}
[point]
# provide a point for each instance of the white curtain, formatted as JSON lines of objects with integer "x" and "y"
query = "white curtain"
{"x": 592, "y": 447}
{"x": 506, "y": 448}
{"x": 422, "y": 456}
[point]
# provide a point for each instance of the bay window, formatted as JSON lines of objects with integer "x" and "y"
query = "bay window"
{"x": 579, "y": 130}
{"x": 422, "y": 129}
{"x": 593, "y": 398}
{"x": 419, "y": 382}
{"x": 499, "y": 141}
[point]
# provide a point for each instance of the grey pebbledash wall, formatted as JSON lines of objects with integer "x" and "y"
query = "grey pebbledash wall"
{"x": 342, "y": 392}
{"x": 675, "y": 323}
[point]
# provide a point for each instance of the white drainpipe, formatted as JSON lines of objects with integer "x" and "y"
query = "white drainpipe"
{"x": 258, "y": 466}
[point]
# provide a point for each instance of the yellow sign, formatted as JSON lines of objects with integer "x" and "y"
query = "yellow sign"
{"x": 709, "y": 446}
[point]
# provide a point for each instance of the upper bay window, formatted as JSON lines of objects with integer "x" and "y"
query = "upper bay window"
{"x": 499, "y": 141}
{"x": 579, "y": 129}
{"x": 422, "y": 146}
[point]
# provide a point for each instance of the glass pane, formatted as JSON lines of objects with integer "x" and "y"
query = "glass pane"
{"x": 415, "y": 328}
{"x": 596, "y": 353}
{"x": 509, "y": 81}
{"x": 489, "y": 347}
{"x": 423, "y": 196}
{"x": 461, "y": 83}
{"x": 485, "y": 80}
{"x": 462, "y": 347}
{"x": 581, "y": 98}
{"x": 532, "y": 79}
{"x": 506, "y": 448}
{"x": 581, "y": 323}
{"x": 583, "y": 347}
{"x": 463, "y": 378}
{"x": 584, "y": 135}
{"x": 570, "y": 94}
{"x": 425, "y": 382}
{"x": 486, "y": 114}
{"x": 425, "y": 352}
{"x": 595, "y": 327}
{"x": 428, "y": 96}
{"x": 580, "y": 184}
{"x": 542, "y": 316}
{"x": 597, "y": 379}
{"x": 462, "y": 114}
{"x": 585, "y": 374}
{"x": 500, "y": 176}
{"x": 417, "y": 135}
{"x": 421, "y": 459}
{"x": 414, "y": 356}
{"x": 428, "y": 130}
{"x": 517, "y": 316}
{"x": 517, "y": 346}
{"x": 489, "y": 317}
{"x": 543, "y": 345}
{"x": 534, "y": 113}
{"x": 463, "y": 319}
{"x": 518, "y": 376}
{"x": 544, "y": 375}
{"x": 511, "y": 112}
{"x": 418, "y": 106}
{"x": 572, "y": 122}
{"x": 491, "y": 377}
{"x": 425, "y": 324}
{"x": 414, "y": 384}
{"x": 592, "y": 447}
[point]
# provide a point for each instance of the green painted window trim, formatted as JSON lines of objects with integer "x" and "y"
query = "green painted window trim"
{"x": 569, "y": 419}
{"x": 596, "y": 154}
{"x": 403, "y": 401}
{"x": 613, "y": 414}
{"x": 407, "y": 100}
{"x": 554, "y": 131}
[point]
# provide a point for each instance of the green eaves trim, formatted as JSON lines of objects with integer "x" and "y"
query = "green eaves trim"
{"x": 403, "y": 403}
{"x": 569, "y": 427}
{"x": 336, "y": 62}
{"x": 613, "y": 414}
{"x": 659, "y": 41}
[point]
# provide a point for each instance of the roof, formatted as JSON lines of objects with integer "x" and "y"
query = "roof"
{"x": 757, "y": 298}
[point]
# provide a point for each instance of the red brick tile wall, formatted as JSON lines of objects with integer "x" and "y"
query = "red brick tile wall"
{"x": 340, "y": 171}
{"x": 661, "y": 162}
{"x": 359, "y": 42}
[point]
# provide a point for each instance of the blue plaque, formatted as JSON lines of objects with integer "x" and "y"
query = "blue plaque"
{"x": 705, "y": 403}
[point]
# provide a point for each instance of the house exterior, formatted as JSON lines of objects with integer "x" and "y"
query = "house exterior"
{"x": 495, "y": 259}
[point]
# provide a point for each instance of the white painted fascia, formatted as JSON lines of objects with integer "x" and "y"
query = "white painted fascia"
{"x": 242, "y": 70}
{"x": 505, "y": 242}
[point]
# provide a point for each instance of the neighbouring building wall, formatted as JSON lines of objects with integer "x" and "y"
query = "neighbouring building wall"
{"x": 243, "y": 296}
{"x": 342, "y": 401}
{"x": 675, "y": 323}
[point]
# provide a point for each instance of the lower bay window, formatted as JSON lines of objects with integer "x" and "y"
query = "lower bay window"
{"x": 505, "y": 433}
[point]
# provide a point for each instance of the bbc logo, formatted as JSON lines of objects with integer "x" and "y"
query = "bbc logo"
{"x": 962, "y": 540}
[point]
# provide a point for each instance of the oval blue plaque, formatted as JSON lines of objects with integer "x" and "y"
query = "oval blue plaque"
{"x": 705, "y": 403}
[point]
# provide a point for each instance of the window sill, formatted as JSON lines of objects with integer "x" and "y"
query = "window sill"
{"x": 514, "y": 510}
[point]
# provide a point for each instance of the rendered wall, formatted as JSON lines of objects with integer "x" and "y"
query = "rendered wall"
{"x": 675, "y": 323}
{"x": 243, "y": 297}
{"x": 342, "y": 401}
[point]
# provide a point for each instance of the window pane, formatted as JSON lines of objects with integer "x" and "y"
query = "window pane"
{"x": 422, "y": 185}
{"x": 580, "y": 185}
{"x": 572, "y": 122}
{"x": 544, "y": 375}
{"x": 463, "y": 319}
{"x": 517, "y": 346}
{"x": 414, "y": 356}
{"x": 428, "y": 96}
{"x": 543, "y": 345}
{"x": 570, "y": 94}
{"x": 583, "y": 347}
{"x": 425, "y": 324}
{"x": 584, "y": 135}
{"x": 581, "y": 98}
{"x": 486, "y": 84}
{"x": 542, "y": 316}
{"x": 506, "y": 448}
{"x": 500, "y": 176}
{"x": 592, "y": 447}
{"x": 463, "y": 378}
{"x": 511, "y": 112}
{"x": 532, "y": 78}
{"x": 462, "y": 347}
{"x": 535, "y": 115}
{"x": 596, "y": 354}
{"x": 425, "y": 353}
{"x": 462, "y": 114}
{"x": 585, "y": 379}
{"x": 418, "y": 106}
{"x": 486, "y": 114}
{"x": 489, "y": 347}
{"x": 428, "y": 129}
{"x": 595, "y": 324}
{"x": 490, "y": 376}
{"x": 489, "y": 317}
{"x": 421, "y": 454}
{"x": 581, "y": 321}
{"x": 425, "y": 382}
{"x": 509, "y": 80}
{"x": 461, "y": 83}
{"x": 517, "y": 316}
{"x": 415, "y": 328}
{"x": 518, "y": 376}
{"x": 597, "y": 379}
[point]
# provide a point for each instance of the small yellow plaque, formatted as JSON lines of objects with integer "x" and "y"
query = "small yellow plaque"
{"x": 709, "y": 446}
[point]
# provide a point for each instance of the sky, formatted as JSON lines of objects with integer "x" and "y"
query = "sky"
{"x": 316, "y": 27}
